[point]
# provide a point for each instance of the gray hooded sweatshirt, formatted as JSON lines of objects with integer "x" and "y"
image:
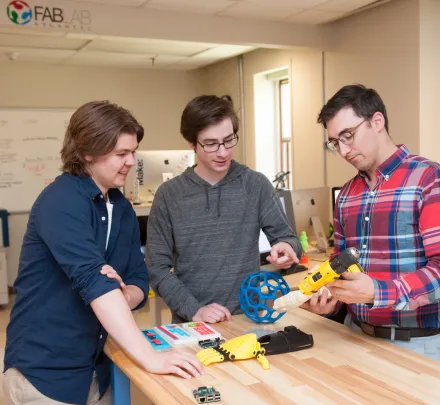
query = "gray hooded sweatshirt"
{"x": 209, "y": 234}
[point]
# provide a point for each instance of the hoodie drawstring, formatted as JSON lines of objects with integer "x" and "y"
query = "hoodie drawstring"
{"x": 208, "y": 207}
{"x": 207, "y": 199}
{"x": 218, "y": 201}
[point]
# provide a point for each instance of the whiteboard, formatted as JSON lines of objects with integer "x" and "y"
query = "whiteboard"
{"x": 30, "y": 145}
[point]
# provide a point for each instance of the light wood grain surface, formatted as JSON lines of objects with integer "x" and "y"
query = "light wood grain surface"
{"x": 343, "y": 367}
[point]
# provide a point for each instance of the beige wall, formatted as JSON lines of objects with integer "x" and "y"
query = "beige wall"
{"x": 254, "y": 62}
{"x": 305, "y": 73}
{"x": 393, "y": 48}
{"x": 220, "y": 79}
{"x": 156, "y": 98}
{"x": 429, "y": 78}
{"x": 308, "y": 137}
{"x": 378, "y": 48}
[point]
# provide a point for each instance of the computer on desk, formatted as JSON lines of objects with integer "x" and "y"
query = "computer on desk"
{"x": 264, "y": 245}
{"x": 311, "y": 207}
{"x": 335, "y": 194}
{"x": 154, "y": 167}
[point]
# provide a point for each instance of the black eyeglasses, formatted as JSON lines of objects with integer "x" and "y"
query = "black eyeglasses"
{"x": 214, "y": 147}
{"x": 346, "y": 138}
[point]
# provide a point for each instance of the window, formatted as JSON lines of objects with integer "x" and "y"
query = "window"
{"x": 273, "y": 128}
{"x": 285, "y": 126}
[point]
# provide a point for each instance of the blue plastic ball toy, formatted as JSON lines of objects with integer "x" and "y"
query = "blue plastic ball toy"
{"x": 257, "y": 291}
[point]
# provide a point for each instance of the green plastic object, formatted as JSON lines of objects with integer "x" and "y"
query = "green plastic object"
{"x": 330, "y": 230}
{"x": 304, "y": 241}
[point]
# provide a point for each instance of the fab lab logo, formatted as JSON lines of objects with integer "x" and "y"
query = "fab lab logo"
{"x": 19, "y": 12}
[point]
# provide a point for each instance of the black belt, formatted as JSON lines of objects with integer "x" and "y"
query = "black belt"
{"x": 399, "y": 333}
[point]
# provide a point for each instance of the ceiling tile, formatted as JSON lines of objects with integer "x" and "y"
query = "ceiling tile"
{"x": 208, "y": 7}
{"x": 81, "y": 35}
{"x": 344, "y": 5}
{"x": 178, "y": 66}
{"x": 124, "y": 3}
{"x": 211, "y": 56}
{"x": 260, "y": 10}
{"x": 221, "y": 52}
{"x": 150, "y": 46}
{"x": 191, "y": 63}
{"x": 165, "y": 60}
{"x": 96, "y": 58}
{"x": 18, "y": 30}
{"x": 49, "y": 42}
{"x": 290, "y": 4}
{"x": 49, "y": 56}
{"x": 314, "y": 16}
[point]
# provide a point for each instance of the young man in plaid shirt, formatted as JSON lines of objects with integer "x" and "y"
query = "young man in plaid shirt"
{"x": 390, "y": 212}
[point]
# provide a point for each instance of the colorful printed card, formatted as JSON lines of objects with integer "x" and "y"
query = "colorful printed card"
{"x": 201, "y": 330}
{"x": 175, "y": 335}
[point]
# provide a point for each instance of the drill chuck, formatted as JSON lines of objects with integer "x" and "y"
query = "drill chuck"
{"x": 344, "y": 260}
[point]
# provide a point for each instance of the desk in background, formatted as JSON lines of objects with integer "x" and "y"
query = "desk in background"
{"x": 142, "y": 210}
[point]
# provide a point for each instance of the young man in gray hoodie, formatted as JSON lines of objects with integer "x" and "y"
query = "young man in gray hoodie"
{"x": 205, "y": 223}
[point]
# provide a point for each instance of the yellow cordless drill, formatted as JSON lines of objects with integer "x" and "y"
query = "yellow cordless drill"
{"x": 326, "y": 273}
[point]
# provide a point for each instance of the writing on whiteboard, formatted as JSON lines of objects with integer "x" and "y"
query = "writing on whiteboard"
{"x": 30, "y": 145}
{"x": 10, "y": 157}
{"x": 40, "y": 138}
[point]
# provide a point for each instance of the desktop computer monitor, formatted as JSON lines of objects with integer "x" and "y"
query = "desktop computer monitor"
{"x": 302, "y": 207}
{"x": 263, "y": 243}
{"x": 335, "y": 193}
{"x": 153, "y": 167}
{"x": 311, "y": 207}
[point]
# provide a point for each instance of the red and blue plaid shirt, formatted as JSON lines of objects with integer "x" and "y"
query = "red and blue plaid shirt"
{"x": 396, "y": 227}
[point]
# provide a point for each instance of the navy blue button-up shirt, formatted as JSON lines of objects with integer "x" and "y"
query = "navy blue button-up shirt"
{"x": 54, "y": 338}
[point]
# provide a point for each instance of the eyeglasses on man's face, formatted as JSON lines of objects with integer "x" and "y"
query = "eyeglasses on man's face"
{"x": 215, "y": 146}
{"x": 346, "y": 138}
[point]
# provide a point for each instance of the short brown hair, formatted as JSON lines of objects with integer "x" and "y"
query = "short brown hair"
{"x": 365, "y": 103}
{"x": 202, "y": 112}
{"x": 93, "y": 130}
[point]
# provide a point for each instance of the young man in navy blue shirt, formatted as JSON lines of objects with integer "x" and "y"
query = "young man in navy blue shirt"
{"x": 81, "y": 271}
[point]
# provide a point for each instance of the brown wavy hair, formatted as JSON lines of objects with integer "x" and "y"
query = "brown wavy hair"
{"x": 94, "y": 130}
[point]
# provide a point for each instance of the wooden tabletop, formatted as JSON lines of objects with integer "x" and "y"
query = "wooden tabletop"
{"x": 343, "y": 367}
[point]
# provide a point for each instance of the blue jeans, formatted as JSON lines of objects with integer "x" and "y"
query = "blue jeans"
{"x": 428, "y": 346}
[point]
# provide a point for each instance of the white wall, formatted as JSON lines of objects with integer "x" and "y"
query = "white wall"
{"x": 265, "y": 126}
{"x": 305, "y": 75}
{"x": 392, "y": 48}
{"x": 156, "y": 98}
{"x": 308, "y": 140}
{"x": 223, "y": 78}
{"x": 380, "y": 49}
{"x": 429, "y": 78}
